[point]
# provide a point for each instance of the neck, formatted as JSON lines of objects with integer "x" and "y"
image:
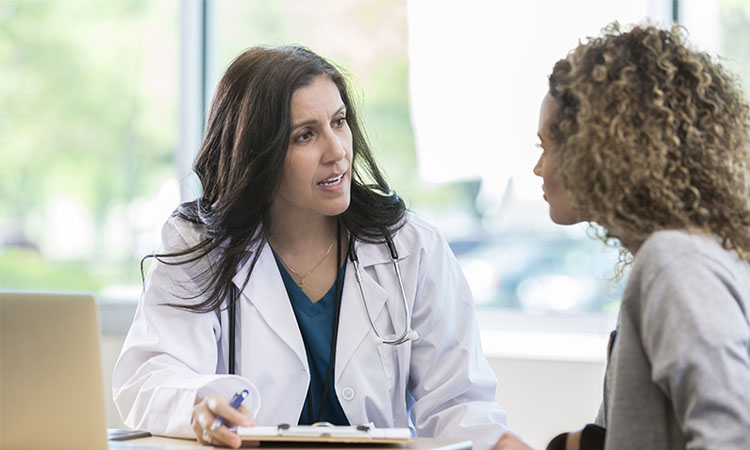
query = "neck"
{"x": 301, "y": 235}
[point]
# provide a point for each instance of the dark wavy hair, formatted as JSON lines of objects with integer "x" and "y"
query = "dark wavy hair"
{"x": 652, "y": 135}
{"x": 242, "y": 158}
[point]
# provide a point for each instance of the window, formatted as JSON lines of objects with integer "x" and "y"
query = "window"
{"x": 93, "y": 157}
{"x": 721, "y": 27}
{"x": 88, "y": 130}
{"x": 478, "y": 73}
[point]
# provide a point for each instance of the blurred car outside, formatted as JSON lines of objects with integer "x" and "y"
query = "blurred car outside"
{"x": 540, "y": 273}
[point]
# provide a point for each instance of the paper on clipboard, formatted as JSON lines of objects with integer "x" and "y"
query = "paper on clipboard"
{"x": 365, "y": 434}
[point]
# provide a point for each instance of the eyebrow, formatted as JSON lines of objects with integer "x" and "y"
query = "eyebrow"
{"x": 313, "y": 121}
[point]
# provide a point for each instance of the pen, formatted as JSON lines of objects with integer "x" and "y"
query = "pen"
{"x": 235, "y": 403}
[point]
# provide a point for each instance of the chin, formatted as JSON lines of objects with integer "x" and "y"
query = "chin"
{"x": 564, "y": 217}
{"x": 336, "y": 209}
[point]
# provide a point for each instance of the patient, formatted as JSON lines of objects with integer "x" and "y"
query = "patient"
{"x": 649, "y": 139}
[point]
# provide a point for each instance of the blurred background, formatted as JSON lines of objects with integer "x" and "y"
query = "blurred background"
{"x": 103, "y": 106}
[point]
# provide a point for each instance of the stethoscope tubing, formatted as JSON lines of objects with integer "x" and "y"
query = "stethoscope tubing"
{"x": 408, "y": 334}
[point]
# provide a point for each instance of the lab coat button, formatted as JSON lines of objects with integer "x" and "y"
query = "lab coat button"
{"x": 348, "y": 393}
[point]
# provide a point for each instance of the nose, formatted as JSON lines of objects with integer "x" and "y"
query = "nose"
{"x": 538, "y": 166}
{"x": 335, "y": 149}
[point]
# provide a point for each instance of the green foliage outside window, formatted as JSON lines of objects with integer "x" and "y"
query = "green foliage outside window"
{"x": 88, "y": 94}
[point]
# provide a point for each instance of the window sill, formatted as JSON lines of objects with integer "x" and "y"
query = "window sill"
{"x": 518, "y": 335}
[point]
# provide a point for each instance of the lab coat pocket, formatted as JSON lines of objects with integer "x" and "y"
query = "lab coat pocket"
{"x": 389, "y": 360}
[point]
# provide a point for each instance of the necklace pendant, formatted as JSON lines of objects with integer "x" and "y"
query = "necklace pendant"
{"x": 302, "y": 284}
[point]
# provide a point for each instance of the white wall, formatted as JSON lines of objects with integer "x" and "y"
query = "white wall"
{"x": 111, "y": 345}
{"x": 545, "y": 398}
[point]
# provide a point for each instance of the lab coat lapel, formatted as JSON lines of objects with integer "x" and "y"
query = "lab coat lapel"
{"x": 266, "y": 292}
{"x": 354, "y": 326}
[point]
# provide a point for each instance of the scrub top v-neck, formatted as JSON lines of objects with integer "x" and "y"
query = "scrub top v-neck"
{"x": 315, "y": 321}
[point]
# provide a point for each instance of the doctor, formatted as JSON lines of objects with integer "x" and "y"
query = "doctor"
{"x": 299, "y": 276}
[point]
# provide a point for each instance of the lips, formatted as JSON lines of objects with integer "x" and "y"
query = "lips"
{"x": 332, "y": 180}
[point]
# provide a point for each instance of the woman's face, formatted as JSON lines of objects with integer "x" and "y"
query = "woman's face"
{"x": 561, "y": 209}
{"x": 317, "y": 171}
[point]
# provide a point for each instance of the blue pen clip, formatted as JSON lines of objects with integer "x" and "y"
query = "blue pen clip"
{"x": 235, "y": 403}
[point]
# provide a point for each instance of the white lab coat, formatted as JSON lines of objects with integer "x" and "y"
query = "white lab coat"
{"x": 442, "y": 379}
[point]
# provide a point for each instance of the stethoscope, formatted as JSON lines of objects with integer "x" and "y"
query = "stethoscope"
{"x": 408, "y": 334}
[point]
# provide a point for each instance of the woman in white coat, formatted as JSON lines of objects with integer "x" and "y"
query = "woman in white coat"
{"x": 291, "y": 199}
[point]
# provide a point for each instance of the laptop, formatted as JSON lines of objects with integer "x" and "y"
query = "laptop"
{"x": 51, "y": 394}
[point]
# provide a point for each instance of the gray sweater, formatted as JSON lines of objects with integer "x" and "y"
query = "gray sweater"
{"x": 678, "y": 376}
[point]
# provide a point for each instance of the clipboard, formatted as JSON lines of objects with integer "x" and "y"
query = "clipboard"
{"x": 326, "y": 433}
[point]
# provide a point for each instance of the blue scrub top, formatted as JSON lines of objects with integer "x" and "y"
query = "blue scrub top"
{"x": 315, "y": 322}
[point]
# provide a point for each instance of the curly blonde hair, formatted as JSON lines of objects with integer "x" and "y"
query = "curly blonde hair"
{"x": 652, "y": 135}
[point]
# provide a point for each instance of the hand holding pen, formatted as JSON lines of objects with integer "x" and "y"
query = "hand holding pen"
{"x": 212, "y": 412}
{"x": 235, "y": 402}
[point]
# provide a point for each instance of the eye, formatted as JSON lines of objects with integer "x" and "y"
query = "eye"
{"x": 340, "y": 122}
{"x": 304, "y": 136}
